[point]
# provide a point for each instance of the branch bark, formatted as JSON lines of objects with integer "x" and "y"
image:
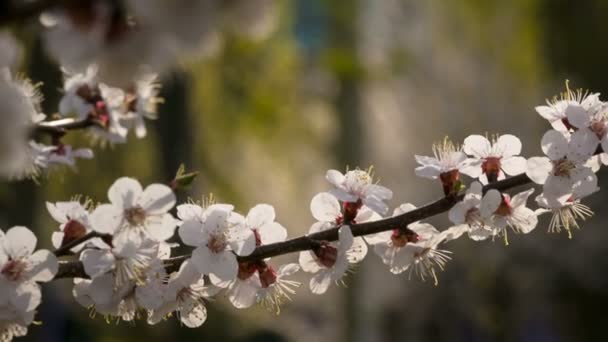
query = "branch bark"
{"x": 74, "y": 269}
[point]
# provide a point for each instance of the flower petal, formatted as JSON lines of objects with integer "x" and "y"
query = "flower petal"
{"x": 157, "y": 199}
{"x": 554, "y": 144}
{"x": 260, "y": 215}
{"x": 19, "y": 242}
{"x": 107, "y": 219}
{"x": 477, "y": 146}
{"x": 513, "y": 165}
{"x": 44, "y": 266}
{"x": 124, "y": 192}
{"x": 538, "y": 169}
{"x": 508, "y": 145}
{"x": 191, "y": 233}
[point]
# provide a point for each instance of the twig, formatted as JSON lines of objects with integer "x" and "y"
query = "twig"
{"x": 74, "y": 269}
{"x": 65, "y": 249}
{"x": 61, "y": 126}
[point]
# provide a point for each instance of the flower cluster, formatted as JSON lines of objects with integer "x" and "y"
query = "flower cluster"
{"x": 124, "y": 246}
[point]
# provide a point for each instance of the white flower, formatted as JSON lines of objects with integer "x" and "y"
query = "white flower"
{"x": 48, "y": 157}
{"x": 492, "y": 160}
{"x": 593, "y": 120}
{"x": 243, "y": 290}
{"x": 325, "y": 207}
{"x": 218, "y": 234}
{"x": 356, "y": 187}
{"x": 275, "y": 288}
{"x": 565, "y": 165}
{"x": 330, "y": 260}
{"x": 85, "y": 98}
{"x": 135, "y": 211}
{"x": 128, "y": 260}
{"x": 20, "y": 269}
{"x": 475, "y": 212}
{"x": 81, "y": 93}
{"x": 446, "y": 165}
{"x": 103, "y": 296}
{"x": 559, "y": 110}
{"x": 149, "y": 295}
{"x": 74, "y": 223}
{"x": 564, "y": 212}
{"x": 260, "y": 220}
{"x": 513, "y": 213}
{"x": 140, "y": 102}
{"x": 19, "y": 111}
{"x": 185, "y": 293}
{"x": 414, "y": 248}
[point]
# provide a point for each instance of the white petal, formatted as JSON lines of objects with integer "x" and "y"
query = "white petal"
{"x": 430, "y": 167}
{"x": 189, "y": 212}
{"x": 513, "y": 165}
{"x": 554, "y": 145}
{"x": 241, "y": 240}
{"x": 526, "y": 219}
{"x": 44, "y": 266}
{"x": 288, "y": 269}
{"x": 508, "y": 145}
{"x": 577, "y": 115}
{"x": 107, "y": 219}
{"x": 357, "y": 252}
{"x": 124, "y": 192}
{"x": 272, "y": 233}
{"x": 476, "y": 146}
{"x": 345, "y": 236}
{"x": 490, "y": 202}
{"x": 224, "y": 265}
{"x": 191, "y": 233}
{"x": 538, "y": 169}
{"x": 260, "y": 215}
{"x": 57, "y": 212}
{"x": 19, "y": 242}
{"x": 403, "y": 208}
{"x": 457, "y": 213}
{"x": 379, "y": 191}
{"x": 201, "y": 259}
{"x": 308, "y": 262}
{"x": 319, "y": 283}
{"x": 335, "y": 177}
{"x": 325, "y": 207}
{"x": 547, "y": 113}
{"x": 97, "y": 262}
{"x": 157, "y": 199}
{"x": 583, "y": 144}
{"x": 57, "y": 239}
{"x": 382, "y": 237}
{"x": 161, "y": 228}
{"x": 140, "y": 127}
{"x": 521, "y": 198}
{"x": 473, "y": 168}
{"x": 243, "y": 293}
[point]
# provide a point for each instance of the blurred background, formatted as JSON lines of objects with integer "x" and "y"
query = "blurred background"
{"x": 319, "y": 84}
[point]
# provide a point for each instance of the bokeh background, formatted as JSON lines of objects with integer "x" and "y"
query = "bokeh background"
{"x": 330, "y": 83}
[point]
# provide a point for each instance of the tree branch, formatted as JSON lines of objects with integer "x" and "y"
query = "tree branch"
{"x": 65, "y": 249}
{"x": 74, "y": 269}
{"x": 62, "y": 126}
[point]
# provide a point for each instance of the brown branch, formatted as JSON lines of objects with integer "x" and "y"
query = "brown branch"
{"x": 62, "y": 126}
{"x": 74, "y": 269}
{"x": 65, "y": 249}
